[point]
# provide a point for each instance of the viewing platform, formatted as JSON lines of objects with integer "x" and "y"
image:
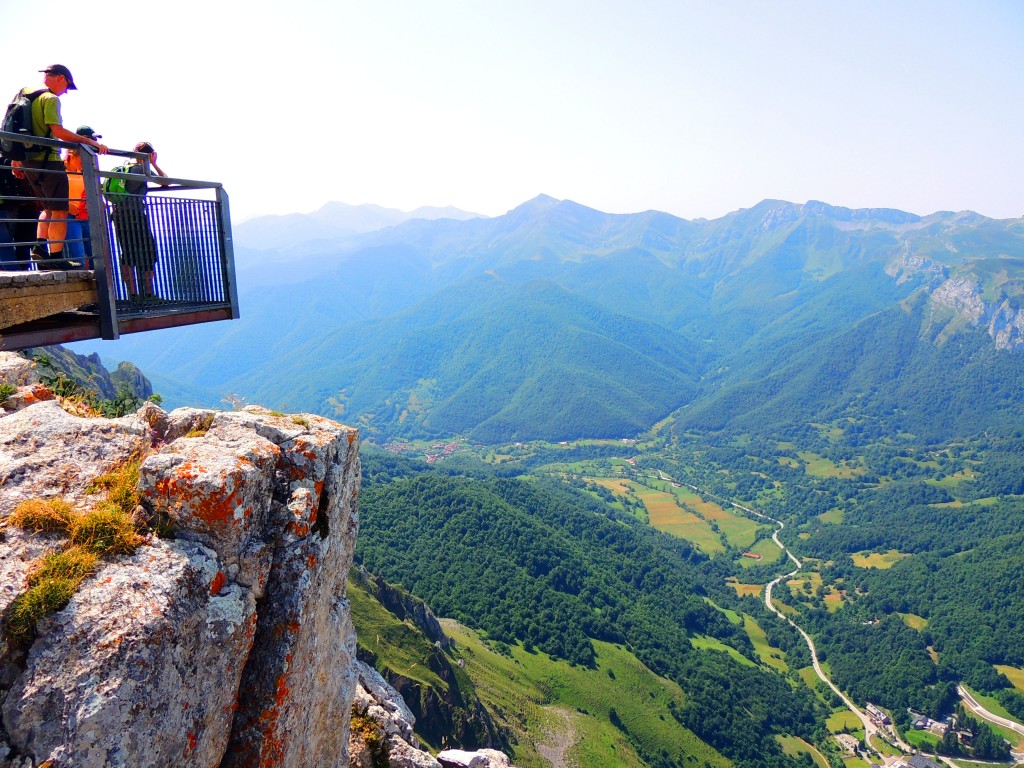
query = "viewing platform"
{"x": 155, "y": 259}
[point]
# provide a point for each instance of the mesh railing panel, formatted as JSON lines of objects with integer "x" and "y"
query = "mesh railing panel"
{"x": 167, "y": 251}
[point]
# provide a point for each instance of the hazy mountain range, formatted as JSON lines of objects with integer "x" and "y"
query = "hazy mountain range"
{"x": 557, "y": 320}
{"x": 332, "y": 221}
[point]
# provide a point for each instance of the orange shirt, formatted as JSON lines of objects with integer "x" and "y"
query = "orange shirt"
{"x": 76, "y": 195}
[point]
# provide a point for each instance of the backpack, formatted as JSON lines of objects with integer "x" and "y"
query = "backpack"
{"x": 18, "y": 119}
{"x": 116, "y": 190}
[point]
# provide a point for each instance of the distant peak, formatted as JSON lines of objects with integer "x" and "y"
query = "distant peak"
{"x": 539, "y": 203}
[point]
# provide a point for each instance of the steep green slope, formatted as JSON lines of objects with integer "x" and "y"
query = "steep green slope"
{"x": 418, "y": 661}
{"x": 616, "y": 712}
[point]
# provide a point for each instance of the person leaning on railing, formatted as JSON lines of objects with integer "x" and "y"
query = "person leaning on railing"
{"x": 17, "y": 219}
{"x": 44, "y": 170}
{"x": 134, "y": 235}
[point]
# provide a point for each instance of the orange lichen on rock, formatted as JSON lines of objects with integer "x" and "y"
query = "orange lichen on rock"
{"x": 218, "y": 583}
{"x": 191, "y": 744}
{"x": 282, "y": 690}
{"x": 37, "y": 394}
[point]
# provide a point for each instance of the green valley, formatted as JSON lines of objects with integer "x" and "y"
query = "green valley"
{"x": 901, "y": 602}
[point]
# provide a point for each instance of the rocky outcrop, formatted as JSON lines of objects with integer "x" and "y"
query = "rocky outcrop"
{"x": 382, "y": 732}
{"x": 229, "y": 644}
{"x": 448, "y": 714}
{"x": 962, "y": 296}
{"x": 1003, "y": 321}
{"x": 382, "y": 727}
{"x": 484, "y": 758}
{"x": 90, "y": 373}
{"x": 1007, "y": 326}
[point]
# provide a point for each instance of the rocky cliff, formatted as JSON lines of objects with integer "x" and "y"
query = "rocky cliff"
{"x": 979, "y": 298}
{"x": 227, "y": 640}
{"x": 446, "y": 712}
{"x": 89, "y": 371}
{"x": 382, "y": 732}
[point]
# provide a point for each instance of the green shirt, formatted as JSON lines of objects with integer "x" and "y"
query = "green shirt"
{"x": 45, "y": 112}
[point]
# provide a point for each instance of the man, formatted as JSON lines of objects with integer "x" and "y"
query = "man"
{"x": 17, "y": 218}
{"x": 44, "y": 170}
{"x": 134, "y": 235}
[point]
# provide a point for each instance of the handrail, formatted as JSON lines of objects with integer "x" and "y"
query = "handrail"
{"x": 152, "y": 259}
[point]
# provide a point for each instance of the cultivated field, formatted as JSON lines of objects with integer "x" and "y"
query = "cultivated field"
{"x": 881, "y": 560}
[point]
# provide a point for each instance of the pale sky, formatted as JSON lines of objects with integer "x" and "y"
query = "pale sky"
{"x": 693, "y": 107}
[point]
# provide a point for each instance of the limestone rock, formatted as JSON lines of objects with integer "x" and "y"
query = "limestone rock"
{"x": 45, "y": 452}
{"x": 230, "y": 645}
{"x": 391, "y": 712}
{"x": 17, "y": 370}
{"x": 1004, "y": 321}
{"x": 1007, "y": 326}
{"x": 963, "y": 296}
{"x": 385, "y": 731}
{"x": 136, "y": 671}
{"x": 484, "y": 758}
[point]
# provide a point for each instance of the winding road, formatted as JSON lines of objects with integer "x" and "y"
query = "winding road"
{"x": 890, "y": 736}
{"x": 869, "y": 726}
{"x": 1017, "y": 755}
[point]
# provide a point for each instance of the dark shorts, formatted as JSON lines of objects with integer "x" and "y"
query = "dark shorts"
{"x": 49, "y": 181}
{"x": 134, "y": 236}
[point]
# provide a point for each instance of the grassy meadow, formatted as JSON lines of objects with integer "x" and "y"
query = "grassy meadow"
{"x": 548, "y": 702}
{"x": 794, "y": 746}
{"x": 768, "y": 654}
{"x": 1013, "y": 674}
{"x": 914, "y": 621}
{"x": 882, "y": 560}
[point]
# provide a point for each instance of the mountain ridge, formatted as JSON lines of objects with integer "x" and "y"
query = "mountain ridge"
{"x": 367, "y": 313}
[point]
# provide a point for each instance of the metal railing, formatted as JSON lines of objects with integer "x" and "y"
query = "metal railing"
{"x": 160, "y": 251}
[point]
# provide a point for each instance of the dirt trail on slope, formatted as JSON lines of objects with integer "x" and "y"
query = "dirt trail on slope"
{"x": 559, "y": 737}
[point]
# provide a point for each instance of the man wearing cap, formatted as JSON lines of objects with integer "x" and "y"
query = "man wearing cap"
{"x": 44, "y": 170}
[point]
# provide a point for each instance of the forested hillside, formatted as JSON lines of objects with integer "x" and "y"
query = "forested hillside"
{"x": 532, "y": 561}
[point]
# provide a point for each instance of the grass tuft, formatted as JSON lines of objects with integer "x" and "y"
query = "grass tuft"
{"x": 121, "y": 485}
{"x": 106, "y": 530}
{"x": 52, "y": 582}
{"x": 70, "y": 564}
{"x": 202, "y": 427}
{"x": 44, "y": 516}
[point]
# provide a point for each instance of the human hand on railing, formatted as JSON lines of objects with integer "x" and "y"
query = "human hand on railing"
{"x": 16, "y": 169}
